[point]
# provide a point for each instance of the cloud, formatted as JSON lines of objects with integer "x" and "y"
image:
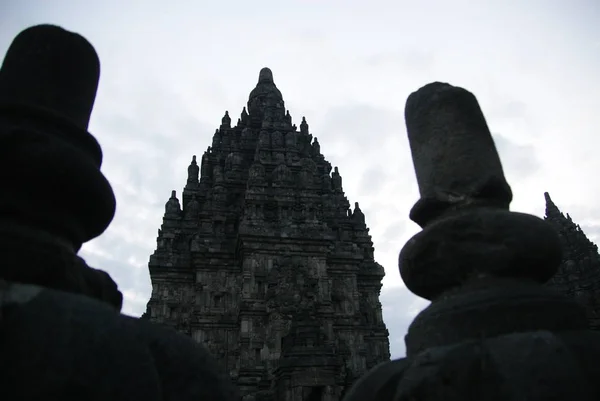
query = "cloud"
{"x": 373, "y": 179}
{"x": 122, "y": 259}
{"x": 518, "y": 160}
{"x": 399, "y": 310}
{"x": 411, "y": 59}
{"x": 511, "y": 109}
{"x": 359, "y": 129}
{"x": 146, "y": 153}
{"x": 395, "y": 229}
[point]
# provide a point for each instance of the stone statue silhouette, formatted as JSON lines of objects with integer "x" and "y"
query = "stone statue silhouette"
{"x": 61, "y": 331}
{"x": 492, "y": 330}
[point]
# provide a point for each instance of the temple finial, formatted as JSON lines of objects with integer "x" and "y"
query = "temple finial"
{"x": 304, "y": 126}
{"x": 226, "y": 121}
{"x": 266, "y": 75}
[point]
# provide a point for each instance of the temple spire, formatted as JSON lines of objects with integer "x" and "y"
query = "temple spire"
{"x": 193, "y": 171}
{"x": 265, "y": 102}
{"x": 304, "y": 126}
{"x": 226, "y": 121}
{"x": 266, "y": 192}
{"x": 574, "y": 241}
{"x": 552, "y": 211}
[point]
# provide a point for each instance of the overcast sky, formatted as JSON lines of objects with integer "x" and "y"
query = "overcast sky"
{"x": 170, "y": 70}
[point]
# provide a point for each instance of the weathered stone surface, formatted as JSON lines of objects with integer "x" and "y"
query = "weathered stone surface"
{"x": 492, "y": 331}
{"x": 75, "y": 347}
{"x": 578, "y": 276}
{"x": 271, "y": 270}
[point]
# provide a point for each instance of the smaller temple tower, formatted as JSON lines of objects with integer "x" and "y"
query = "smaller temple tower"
{"x": 579, "y": 274}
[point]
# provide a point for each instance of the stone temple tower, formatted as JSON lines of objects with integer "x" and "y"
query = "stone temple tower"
{"x": 264, "y": 261}
{"x": 579, "y": 274}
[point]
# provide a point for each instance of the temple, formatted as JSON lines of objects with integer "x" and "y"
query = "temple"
{"x": 579, "y": 274}
{"x": 263, "y": 260}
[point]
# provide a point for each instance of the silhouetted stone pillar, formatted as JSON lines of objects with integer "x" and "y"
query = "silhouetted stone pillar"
{"x": 492, "y": 331}
{"x": 54, "y": 197}
{"x": 61, "y": 333}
